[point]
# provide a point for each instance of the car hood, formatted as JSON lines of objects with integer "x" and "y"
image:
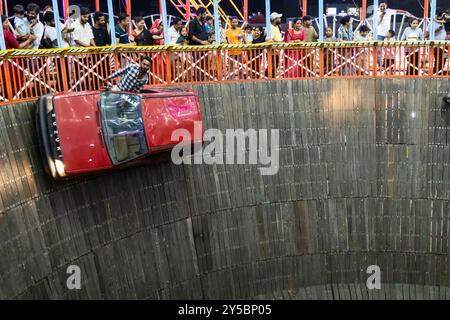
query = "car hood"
{"x": 82, "y": 144}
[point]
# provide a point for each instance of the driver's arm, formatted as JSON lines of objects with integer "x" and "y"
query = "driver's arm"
{"x": 119, "y": 72}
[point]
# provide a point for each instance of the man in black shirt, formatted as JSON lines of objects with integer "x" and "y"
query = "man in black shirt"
{"x": 197, "y": 30}
{"x": 101, "y": 35}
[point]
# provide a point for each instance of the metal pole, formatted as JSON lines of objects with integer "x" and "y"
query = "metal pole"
{"x": 1, "y": 7}
{"x": 364, "y": 10}
{"x": 304, "y": 7}
{"x": 57, "y": 23}
{"x": 188, "y": 10}
{"x": 164, "y": 19}
{"x": 97, "y": 5}
{"x": 216, "y": 22}
{"x": 375, "y": 19}
{"x": 2, "y": 39}
{"x": 245, "y": 10}
{"x": 426, "y": 5}
{"x": 112, "y": 30}
{"x": 65, "y": 9}
{"x": 128, "y": 10}
{"x": 321, "y": 33}
{"x": 432, "y": 15}
{"x": 269, "y": 34}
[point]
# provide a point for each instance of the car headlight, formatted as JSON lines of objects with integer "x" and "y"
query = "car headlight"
{"x": 49, "y": 104}
{"x": 60, "y": 167}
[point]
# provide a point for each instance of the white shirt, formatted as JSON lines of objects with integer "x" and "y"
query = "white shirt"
{"x": 82, "y": 33}
{"x": 50, "y": 33}
{"x": 38, "y": 31}
{"x": 173, "y": 35}
{"x": 21, "y": 26}
{"x": 385, "y": 25}
{"x": 68, "y": 39}
{"x": 439, "y": 35}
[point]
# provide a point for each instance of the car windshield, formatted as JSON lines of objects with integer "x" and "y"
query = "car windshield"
{"x": 123, "y": 127}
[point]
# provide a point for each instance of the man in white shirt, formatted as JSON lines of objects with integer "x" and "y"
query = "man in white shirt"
{"x": 439, "y": 34}
{"x": 34, "y": 25}
{"x": 385, "y": 18}
{"x": 50, "y": 35}
{"x": 82, "y": 33}
{"x": 174, "y": 31}
{"x": 275, "y": 28}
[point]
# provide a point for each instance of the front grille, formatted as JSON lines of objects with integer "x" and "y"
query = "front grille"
{"x": 54, "y": 136}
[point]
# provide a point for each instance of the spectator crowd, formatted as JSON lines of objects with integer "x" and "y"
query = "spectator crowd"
{"x": 32, "y": 29}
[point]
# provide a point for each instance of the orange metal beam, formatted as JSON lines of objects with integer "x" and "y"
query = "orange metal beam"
{"x": 364, "y": 10}
{"x": 188, "y": 10}
{"x": 304, "y": 7}
{"x": 129, "y": 7}
{"x": 97, "y": 5}
{"x": 245, "y": 10}
{"x": 426, "y": 7}
{"x": 66, "y": 9}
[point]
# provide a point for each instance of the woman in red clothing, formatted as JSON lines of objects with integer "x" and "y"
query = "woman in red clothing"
{"x": 292, "y": 62}
{"x": 10, "y": 40}
{"x": 157, "y": 32}
{"x": 15, "y": 75}
{"x": 159, "y": 59}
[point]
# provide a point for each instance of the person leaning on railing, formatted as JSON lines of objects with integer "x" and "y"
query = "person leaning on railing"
{"x": 157, "y": 32}
{"x": 34, "y": 26}
{"x": 101, "y": 35}
{"x": 174, "y": 30}
{"x": 121, "y": 30}
{"x": 276, "y": 36}
{"x": 140, "y": 35}
{"x": 235, "y": 35}
{"x": 82, "y": 33}
{"x": 440, "y": 34}
{"x": 49, "y": 39}
{"x": 197, "y": 29}
{"x": 294, "y": 57}
{"x": 10, "y": 40}
{"x": 413, "y": 33}
{"x": 345, "y": 33}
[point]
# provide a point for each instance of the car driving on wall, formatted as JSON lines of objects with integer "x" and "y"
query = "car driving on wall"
{"x": 93, "y": 131}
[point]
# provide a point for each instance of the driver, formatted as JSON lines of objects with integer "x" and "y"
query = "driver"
{"x": 134, "y": 76}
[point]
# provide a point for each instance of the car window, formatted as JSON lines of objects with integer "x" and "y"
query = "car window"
{"x": 122, "y": 126}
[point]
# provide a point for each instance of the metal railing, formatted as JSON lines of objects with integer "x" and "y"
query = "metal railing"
{"x": 28, "y": 74}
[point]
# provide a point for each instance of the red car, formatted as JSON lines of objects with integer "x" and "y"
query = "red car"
{"x": 88, "y": 132}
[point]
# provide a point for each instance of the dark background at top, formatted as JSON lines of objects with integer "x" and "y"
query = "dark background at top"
{"x": 290, "y": 8}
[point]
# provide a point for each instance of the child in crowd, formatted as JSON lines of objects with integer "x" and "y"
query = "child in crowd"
{"x": 390, "y": 35}
{"x": 363, "y": 53}
{"x": 329, "y": 37}
{"x": 363, "y": 34}
{"x": 329, "y": 53}
{"x": 183, "y": 39}
{"x": 21, "y": 28}
{"x": 248, "y": 34}
{"x": 389, "y": 53}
